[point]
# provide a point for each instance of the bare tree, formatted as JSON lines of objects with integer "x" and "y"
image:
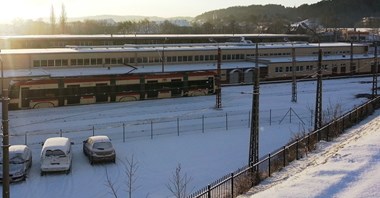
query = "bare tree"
{"x": 111, "y": 185}
{"x": 178, "y": 183}
{"x": 52, "y": 20}
{"x": 63, "y": 19}
{"x": 131, "y": 168}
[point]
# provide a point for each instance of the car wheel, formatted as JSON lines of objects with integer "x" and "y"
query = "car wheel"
{"x": 91, "y": 160}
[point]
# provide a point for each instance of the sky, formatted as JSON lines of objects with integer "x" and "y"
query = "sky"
{"x": 34, "y": 9}
{"x": 205, "y": 156}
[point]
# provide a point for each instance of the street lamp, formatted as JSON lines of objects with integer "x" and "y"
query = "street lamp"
{"x": 4, "y": 101}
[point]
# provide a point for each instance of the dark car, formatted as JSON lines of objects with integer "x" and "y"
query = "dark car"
{"x": 20, "y": 162}
{"x": 99, "y": 149}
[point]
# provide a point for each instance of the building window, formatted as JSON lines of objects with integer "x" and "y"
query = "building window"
{"x": 36, "y": 63}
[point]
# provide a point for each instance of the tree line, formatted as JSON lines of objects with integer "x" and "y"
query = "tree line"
{"x": 232, "y": 20}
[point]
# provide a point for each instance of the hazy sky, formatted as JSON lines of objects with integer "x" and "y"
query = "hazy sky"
{"x": 34, "y": 9}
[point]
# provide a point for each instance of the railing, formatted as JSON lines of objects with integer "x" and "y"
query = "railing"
{"x": 242, "y": 180}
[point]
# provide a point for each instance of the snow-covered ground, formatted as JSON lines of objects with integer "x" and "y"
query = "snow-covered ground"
{"x": 204, "y": 154}
{"x": 346, "y": 167}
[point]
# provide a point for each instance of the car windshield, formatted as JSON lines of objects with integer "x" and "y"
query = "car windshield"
{"x": 16, "y": 158}
{"x": 57, "y": 152}
{"x": 102, "y": 145}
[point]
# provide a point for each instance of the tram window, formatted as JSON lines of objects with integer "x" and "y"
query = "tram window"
{"x": 86, "y": 61}
{"x": 224, "y": 57}
{"x": 43, "y": 63}
{"x": 207, "y": 57}
{"x": 139, "y": 60}
{"x": 169, "y": 59}
{"x": 201, "y": 57}
{"x": 36, "y": 63}
{"x": 179, "y": 58}
{"x": 132, "y": 60}
{"x": 113, "y": 61}
{"x": 120, "y": 61}
{"x": 50, "y": 62}
{"x": 174, "y": 58}
{"x": 196, "y": 58}
{"x": 107, "y": 61}
{"x": 80, "y": 61}
{"x": 65, "y": 62}
{"x": 184, "y": 58}
{"x": 73, "y": 62}
{"x": 145, "y": 60}
{"x": 58, "y": 62}
{"x": 99, "y": 61}
{"x": 190, "y": 58}
{"x": 93, "y": 61}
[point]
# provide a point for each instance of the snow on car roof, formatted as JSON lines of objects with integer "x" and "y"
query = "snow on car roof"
{"x": 17, "y": 148}
{"x": 56, "y": 142}
{"x": 100, "y": 138}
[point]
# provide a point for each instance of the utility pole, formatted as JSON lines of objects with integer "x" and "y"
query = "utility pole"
{"x": 294, "y": 79}
{"x": 5, "y": 101}
{"x": 318, "y": 101}
{"x": 374, "y": 73}
{"x": 254, "y": 135}
{"x": 218, "y": 89}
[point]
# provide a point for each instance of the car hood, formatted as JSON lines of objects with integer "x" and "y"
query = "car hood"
{"x": 13, "y": 168}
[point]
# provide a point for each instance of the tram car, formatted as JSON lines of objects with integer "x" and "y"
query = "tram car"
{"x": 55, "y": 92}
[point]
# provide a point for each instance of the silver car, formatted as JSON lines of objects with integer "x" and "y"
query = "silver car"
{"x": 20, "y": 162}
{"x": 99, "y": 149}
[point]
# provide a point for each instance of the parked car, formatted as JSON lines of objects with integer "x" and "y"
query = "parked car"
{"x": 99, "y": 149}
{"x": 20, "y": 162}
{"x": 56, "y": 155}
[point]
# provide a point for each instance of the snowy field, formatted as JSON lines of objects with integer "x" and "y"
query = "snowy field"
{"x": 205, "y": 153}
{"x": 346, "y": 167}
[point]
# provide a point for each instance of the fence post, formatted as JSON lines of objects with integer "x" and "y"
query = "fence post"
{"x": 284, "y": 153}
{"x": 269, "y": 165}
{"x": 290, "y": 115}
{"x": 123, "y": 132}
{"x": 178, "y": 126}
{"x": 26, "y": 138}
{"x": 232, "y": 184}
{"x": 226, "y": 122}
{"x": 93, "y": 130}
{"x": 209, "y": 191}
{"x": 297, "y": 146}
{"x": 203, "y": 123}
{"x": 60, "y": 132}
{"x": 270, "y": 116}
{"x": 151, "y": 129}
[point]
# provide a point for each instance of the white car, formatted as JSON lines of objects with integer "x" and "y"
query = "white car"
{"x": 20, "y": 162}
{"x": 56, "y": 155}
{"x": 99, "y": 149}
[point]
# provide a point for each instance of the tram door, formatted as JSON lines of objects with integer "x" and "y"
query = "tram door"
{"x": 101, "y": 92}
{"x": 25, "y": 97}
{"x": 73, "y": 95}
{"x": 152, "y": 88}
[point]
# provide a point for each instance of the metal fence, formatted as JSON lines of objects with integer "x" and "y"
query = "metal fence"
{"x": 151, "y": 128}
{"x": 242, "y": 180}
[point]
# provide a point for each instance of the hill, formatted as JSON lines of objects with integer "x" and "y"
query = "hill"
{"x": 330, "y": 13}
